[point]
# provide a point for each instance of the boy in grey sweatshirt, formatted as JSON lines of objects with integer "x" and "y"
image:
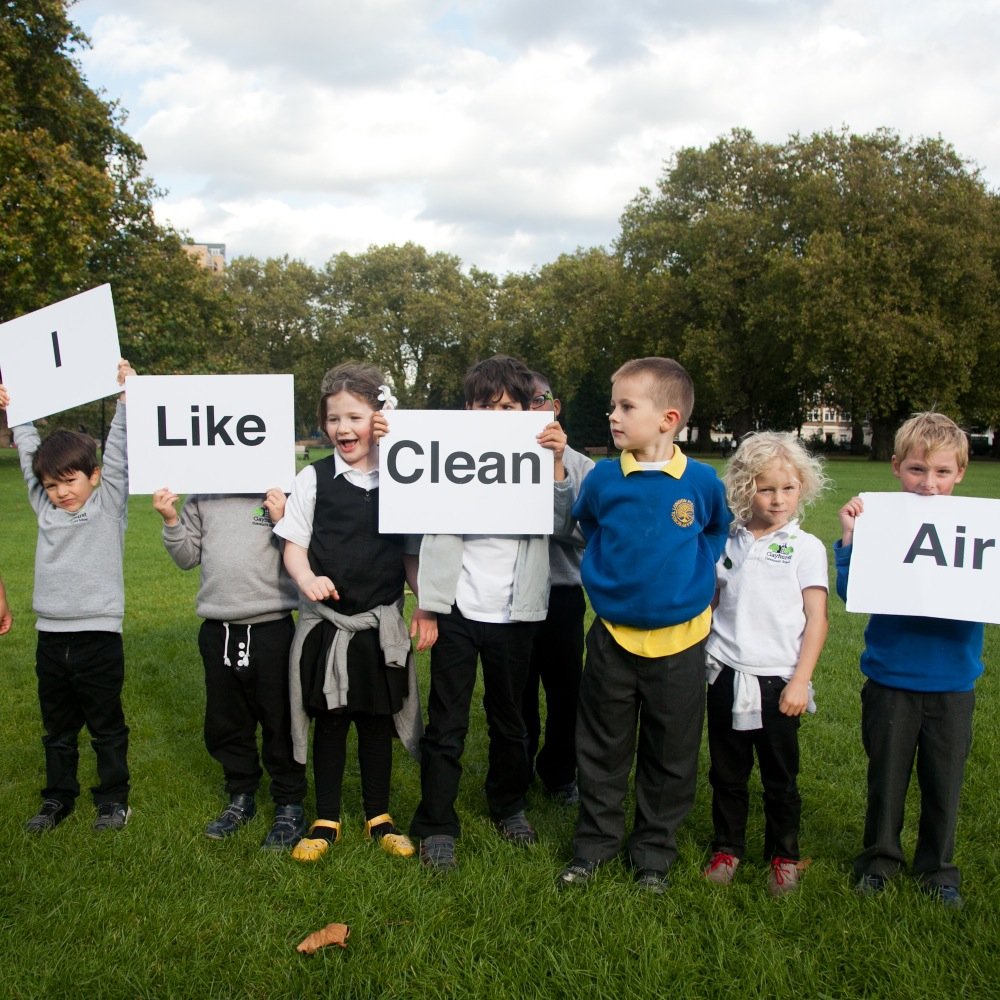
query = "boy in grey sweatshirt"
{"x": 79, "y": 598}
{"x": 246, "y": 600}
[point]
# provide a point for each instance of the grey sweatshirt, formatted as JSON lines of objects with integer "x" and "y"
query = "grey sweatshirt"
{"x": 78, "y": 559}
{"x": 243, "y": 578}
{"x": 566, "y": 554}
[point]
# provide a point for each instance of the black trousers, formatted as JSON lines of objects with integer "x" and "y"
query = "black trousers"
{"x": 935, "y": 728}
{"x": 250, "y": 690}
{"x": 504, "y": 651}
{"x": 665, "y": 698}
{"x": 375, "y": 736}
{"x": 80, "y": 677}
{"x": 732, "y": 751}
{"x": 556, "y": 661}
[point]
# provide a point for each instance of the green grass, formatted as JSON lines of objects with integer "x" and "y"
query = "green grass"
{"x": 160, "y": 911}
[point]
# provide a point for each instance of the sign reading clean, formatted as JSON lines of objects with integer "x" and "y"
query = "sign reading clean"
{"x": 465, "y": 472}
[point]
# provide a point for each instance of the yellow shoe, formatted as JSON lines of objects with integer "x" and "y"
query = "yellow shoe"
{"x": 395, "y": 843}
{"x": 313, "y": 848}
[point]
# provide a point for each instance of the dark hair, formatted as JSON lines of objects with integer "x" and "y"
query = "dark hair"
{"x": 356, "y": 377}
{"x": 669, "y": 383}
{"x": 542, "y": 379}
{"x": 487, "y": 381}
{"x": 64, "y": 452}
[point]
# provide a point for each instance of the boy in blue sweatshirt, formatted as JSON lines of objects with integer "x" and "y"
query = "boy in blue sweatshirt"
{"x": 918, "y": 699}
{"x": 655, "y": 524}
{"x": 79, "y": 599}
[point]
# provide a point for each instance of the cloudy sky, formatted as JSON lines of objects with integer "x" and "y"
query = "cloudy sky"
{"x": 505, "y": 132}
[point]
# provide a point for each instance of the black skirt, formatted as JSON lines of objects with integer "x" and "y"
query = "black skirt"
{"x": 372, "y": 687}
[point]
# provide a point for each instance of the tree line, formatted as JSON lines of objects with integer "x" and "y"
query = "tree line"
{"x": 860, "y": 270}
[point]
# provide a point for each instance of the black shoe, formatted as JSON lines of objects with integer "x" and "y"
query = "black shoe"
{"x": 871, "y": 885}
{"x": 52, "y": 813}
{"x": 652, "y": 880}
{"x": 946, "y": 895}
{"x": 239, "y": 812}
{"x": 517, "y": 830}
{"x": 112, "y": 816}
{"x": 287, "y": 830}
{"x": 564, "y": 795}
{"x": 578, "y": 872}
{"x": 437, "y": 852}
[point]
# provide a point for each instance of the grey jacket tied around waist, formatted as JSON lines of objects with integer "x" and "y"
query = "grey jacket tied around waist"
{"x": 394, "y": 639}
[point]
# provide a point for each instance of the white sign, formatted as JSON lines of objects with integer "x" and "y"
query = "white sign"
{"x": 61, "y": 356}
{"x": 465, "y": 472}
{"x": 935, "y": 557}
{"x": 210, "y": 433}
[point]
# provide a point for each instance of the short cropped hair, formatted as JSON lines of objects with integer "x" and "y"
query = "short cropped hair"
{"x": 63, "y": 453}
{"x": 931, "y": 432}
{"x": 755, "y": 454}
{"x": 356, "y": 377}
{"x": 486, "y": 381}
{"x": 672, "y": 386}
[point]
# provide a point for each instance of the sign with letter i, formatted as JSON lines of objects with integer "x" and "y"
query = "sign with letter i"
{"x": 61, "y": 356}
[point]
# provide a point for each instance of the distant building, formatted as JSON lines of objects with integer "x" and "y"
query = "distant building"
{"x": 211, "y": 256}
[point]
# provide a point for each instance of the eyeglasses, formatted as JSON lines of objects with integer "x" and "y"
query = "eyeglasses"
{"x": 537, "y": 402}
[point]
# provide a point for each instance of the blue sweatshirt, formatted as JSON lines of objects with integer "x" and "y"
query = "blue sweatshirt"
{"x": 653, "y": 540}
{"x": 915, "y": 653}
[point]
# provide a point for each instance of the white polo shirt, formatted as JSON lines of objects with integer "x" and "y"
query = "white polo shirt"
{"x": 758, "y": 624}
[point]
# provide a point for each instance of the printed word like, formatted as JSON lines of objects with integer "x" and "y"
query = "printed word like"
{"x": 249, "y": 429}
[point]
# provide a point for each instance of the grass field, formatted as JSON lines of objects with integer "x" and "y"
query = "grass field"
{"x": 160, "y": 911}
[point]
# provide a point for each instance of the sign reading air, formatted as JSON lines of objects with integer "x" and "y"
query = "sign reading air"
{"x": 465, "y": 472}
{"x": 934, "y": 557}
{"x": 210, "y": 433}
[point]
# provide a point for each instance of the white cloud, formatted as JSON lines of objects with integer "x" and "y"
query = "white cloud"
{"x": 505, "y": 132}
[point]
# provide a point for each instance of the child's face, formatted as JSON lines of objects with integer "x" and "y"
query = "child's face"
{"x": 504, "y": 402}
{"x": 637, "y": 422}
{"x": 71, "y": 492}
{"x": 777, "y": 498}
{"x": 936, "y": 474}
{"x": 349, "y": 426}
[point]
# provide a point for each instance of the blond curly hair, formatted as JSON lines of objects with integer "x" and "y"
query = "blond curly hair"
{"x": 755, "y": 454}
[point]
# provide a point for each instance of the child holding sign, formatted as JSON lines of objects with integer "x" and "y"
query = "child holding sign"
{"x": 768, "y": 627}
{"x": 246, "y": 600}
{"x": 918, "y": 699}
{"x": 79, "y": 599}
{"x": 351, "y": 658}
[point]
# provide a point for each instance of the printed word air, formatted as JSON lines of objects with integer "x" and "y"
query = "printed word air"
{"x": 248, "y": 429}
{"x": 407, "y": 463}
{"x": 928, "y": 543}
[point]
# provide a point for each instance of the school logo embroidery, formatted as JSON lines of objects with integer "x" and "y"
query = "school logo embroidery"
{"x": 683, "y": 513}
{"x": 262, "y": 517}
{"x": 779, "y": 553}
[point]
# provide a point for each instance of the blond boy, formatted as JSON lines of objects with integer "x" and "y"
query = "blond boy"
{"x": 918, "y": 699}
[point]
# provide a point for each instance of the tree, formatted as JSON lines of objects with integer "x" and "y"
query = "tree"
{"x": 413, "y": 314}
{"x": 67, "y": 168}
{"x": 862, "y": 267}
{"x": 276, "y": 314}
{"x": 700, "y": 251}
{"x": 896, "y": 276}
